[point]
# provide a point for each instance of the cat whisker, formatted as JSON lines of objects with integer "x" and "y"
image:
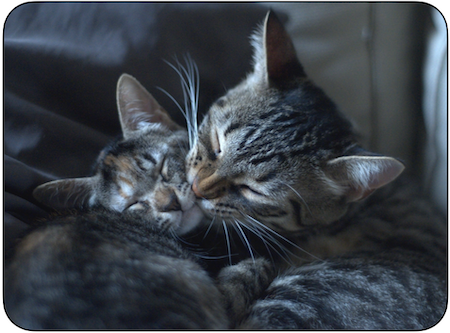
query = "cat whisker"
{"x": 202, "y": 256}
{"x": 192, "y": 89}
{"x": 194, "y": 247}
{"x": 267, "y": 241}
{"x": 181, "y": 239}
{"x": 273, "y": 232}
{"x": 261, "y": 236}
{"x": 188, "y": 125}
{"x": 173, "y": 100}
{"x": 211, "y": 224}
{"x": 244, "y": 238}
{"x": 272, "y": 242}
{"x": 227, "y": 238}
{"x": 298, "y": 194}
{"x": 189, "y": 77}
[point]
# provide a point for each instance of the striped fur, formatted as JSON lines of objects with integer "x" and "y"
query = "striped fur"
{"x": 115, "y": 260}
{"x": 276, "y": 149}
{"x": 275, "y": 158}
{"x": 102, "y": 269}
{"x": 394, "y": 278}
{"x": 144, "y": 170}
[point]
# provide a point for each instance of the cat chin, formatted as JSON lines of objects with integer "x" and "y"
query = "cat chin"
{"x": 206, "y": 206}
{"x": 211, "y": 211}
{"x": 190, "y": 219}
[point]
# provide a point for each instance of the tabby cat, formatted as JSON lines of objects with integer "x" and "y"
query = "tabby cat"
{"x": 116, "y": 260}
{"x": 274, "y": 155}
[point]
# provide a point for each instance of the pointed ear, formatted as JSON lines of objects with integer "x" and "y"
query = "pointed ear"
{"x": 282, "y": 64}
{"x": 359, "y": 176}
{"x": 137, "y": 107}
{"x": 66, "y": 193}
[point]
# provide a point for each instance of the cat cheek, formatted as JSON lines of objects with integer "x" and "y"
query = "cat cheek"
{"x": 190, "y": 175}
{"x": 117, "y": 203}
{"x": 207, "y": 207}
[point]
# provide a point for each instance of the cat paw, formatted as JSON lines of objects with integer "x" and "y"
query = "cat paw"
{"x": 243, "y": 283}
{"x": 257, "y": 273}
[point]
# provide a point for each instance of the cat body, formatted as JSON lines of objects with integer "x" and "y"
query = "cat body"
{"x": 275, "y": 157}
{"x": 390, "y": 290}
{"x": 108, "y": 270}
{"x": 394, "y": 279}
{"x": 112, "y": 258}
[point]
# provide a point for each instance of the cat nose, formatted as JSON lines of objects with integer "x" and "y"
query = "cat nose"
{"x": 172, "y": 205}
{"x": 195, "y": 188}
{"x": 210, "y": 187}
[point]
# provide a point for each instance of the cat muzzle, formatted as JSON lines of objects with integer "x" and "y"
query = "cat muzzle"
{"x": 211, "y": 187}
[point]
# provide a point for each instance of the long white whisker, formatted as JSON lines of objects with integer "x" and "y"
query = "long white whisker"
{"x": 281, "y": 237}
{"x": 225, "y": 229}
{"x": 298, "y": 194}
{"x": 193, "y": 92}
{"x": 188, "y": 122}
{"x": 260, "y": 235}
{"x": 237, "y": 223}
{"x": 183, "y": 86}
{"x": 263, "y": 235}
{"x": 189, "y": 78}
{"x": 173, "y": 100}
{"x": 196, "y": 95}
{"x": 209, "y": 228}
{"x": 285, "y": 253}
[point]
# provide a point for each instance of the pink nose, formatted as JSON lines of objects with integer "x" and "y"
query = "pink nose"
{"x": 195, "y": 188}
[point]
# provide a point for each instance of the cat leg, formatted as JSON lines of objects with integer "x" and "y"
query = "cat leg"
{"x": 242, "y": 284}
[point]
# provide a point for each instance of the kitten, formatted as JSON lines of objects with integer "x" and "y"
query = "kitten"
{"x": 143, "y": 170}
{"x": 114, "y": 261}
{"x": 274, "y": 155}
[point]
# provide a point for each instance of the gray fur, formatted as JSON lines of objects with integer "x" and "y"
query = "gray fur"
{"x": 387, "y": 291}
{"x": 114, "y": 260}
{"x": 395, "y": 278}
{"x": 144, "y": 169}
{"x": 108, "y": 270}
{"x": 275, "y": 156}
{"x": 276, "y": 148}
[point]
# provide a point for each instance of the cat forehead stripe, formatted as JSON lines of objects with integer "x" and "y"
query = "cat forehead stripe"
{"x": 232, "y": 127}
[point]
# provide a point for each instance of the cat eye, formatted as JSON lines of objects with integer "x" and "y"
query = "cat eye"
{"x": 245, "y": 187}
{"x": 138, "y": 205}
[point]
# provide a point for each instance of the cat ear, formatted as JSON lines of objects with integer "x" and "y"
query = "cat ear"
{"x": 282, "y": 64}
{"x": 138, "y": 108}
{"x": 66, "y": 193}
{"x": 359, "y": 176}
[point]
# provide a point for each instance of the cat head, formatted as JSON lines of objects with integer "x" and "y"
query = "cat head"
{"x": 275, "y": 149}
{"x": 144, "y": 171}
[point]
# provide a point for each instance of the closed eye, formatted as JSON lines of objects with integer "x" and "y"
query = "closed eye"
{"x": 138, "y": 205}
{"x": 244, "y": 187}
